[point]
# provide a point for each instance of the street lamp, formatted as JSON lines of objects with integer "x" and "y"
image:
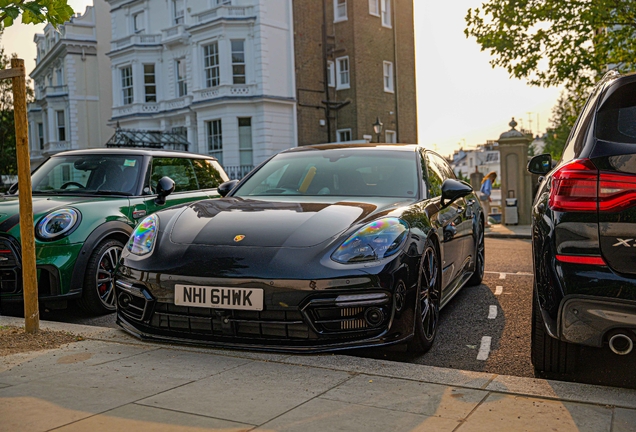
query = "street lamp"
{"x": 377, "y": 127}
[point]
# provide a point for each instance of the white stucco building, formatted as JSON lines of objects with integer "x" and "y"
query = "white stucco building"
{"x": 72, "y": 84}
{"x": 221, "y": 72}
{"x": 484, "y": 158}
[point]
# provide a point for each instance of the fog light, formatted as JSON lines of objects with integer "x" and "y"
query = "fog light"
{"x": 374, "y": 316}
{"x": 124, "y": 300}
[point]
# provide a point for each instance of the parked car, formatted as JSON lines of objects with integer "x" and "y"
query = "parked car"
{"x": 85, "y": 205}
{"x": 319, "y": 248}
{"x": 583, "y": 231}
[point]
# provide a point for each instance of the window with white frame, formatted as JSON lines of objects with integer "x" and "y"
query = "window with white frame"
{"x": 215, "y": 139}
{"x": 59, "y": 77}
{"x": 390, "y": 137}
{"x": 386, "y": 12}
{"x": 180, "y": 74}
{"x": 41, "y": 135}
{"x": 238, "y": 61}
{"x": 178, "y": 12}
{"x": 60, "y": 120}
{"x": 211, "y": 65}
{"x": 138, "y": 22}
{"x": 150, "y": 84}
{"x": 344, "y": 135}
{"x": 127, "y": 85}
{"x": 245, "y": 141}
{"x": 331, "y": 73}
{"x": 342, "y": 73}
{"x": 374, "y": 7}
{"x": 339, "y": 10}
{"x": 388, "y": 77}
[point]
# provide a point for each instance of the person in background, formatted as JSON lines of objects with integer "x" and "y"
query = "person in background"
{"x": 484, "y": 194}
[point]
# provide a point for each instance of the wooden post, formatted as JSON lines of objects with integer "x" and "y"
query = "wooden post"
{"x": 27, "y": 233}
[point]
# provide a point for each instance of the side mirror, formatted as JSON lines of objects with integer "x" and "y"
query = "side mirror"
{"x": 453, "y": 190}
{"x": 165, "y": 186}
{"x": 540, "y": 165}
{"x": 13, "y": 189}
{"x": 226, "y": 188}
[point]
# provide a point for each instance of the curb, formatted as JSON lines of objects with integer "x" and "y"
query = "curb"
{"x": 508, "y": 236}
{"x": 503, "y": 384}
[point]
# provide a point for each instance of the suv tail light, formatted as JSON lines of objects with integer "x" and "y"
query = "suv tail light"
{"x": 579, "y": 186}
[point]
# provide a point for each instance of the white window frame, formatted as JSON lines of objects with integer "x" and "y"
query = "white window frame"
{"x": 148, "y": 95}
{"x": 239, "y": 63}
{"x": 385, "y": 11}
{"x": 390, "y": 137}
{"x": 127, "y": 91}
{"x": 340, "y": 132}
{"x": 340, "y": 82}
{"x": 178, "y": 14}
{"x": 331, "y": 73}
{"x": 374, "y": 7}
{"x": 213, "y": 150}
{"x": 389, "y": 77}
{"x": 60, "y": 127}
{"x": 142, "y": 22}
{"x": 340, "y": 6}
{"x": 40, "y": 126}
{"x": 181, "y": 81}
{"x": 246, "y": 148}
{"x": 209, "y": 68}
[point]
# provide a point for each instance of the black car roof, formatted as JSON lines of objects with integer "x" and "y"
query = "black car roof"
{"x": 134, "y": 152}
{"x": 379, "y": 146}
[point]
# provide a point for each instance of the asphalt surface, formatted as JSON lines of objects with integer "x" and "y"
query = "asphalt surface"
{"x": 474, "y": 315}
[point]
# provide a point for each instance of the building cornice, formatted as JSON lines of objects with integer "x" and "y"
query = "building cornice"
{"x": 61, "y": 48}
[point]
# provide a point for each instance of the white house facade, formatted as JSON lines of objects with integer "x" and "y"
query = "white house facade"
{"x": 220, "y": 72}
{"x": 73, "y": 98}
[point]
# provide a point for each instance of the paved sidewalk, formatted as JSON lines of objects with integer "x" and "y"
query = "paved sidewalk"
{"x": 509, "y": 231}
{"x": 114, "y": 382}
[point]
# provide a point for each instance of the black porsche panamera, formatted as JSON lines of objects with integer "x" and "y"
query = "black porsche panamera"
{"x": 319, "y": 248}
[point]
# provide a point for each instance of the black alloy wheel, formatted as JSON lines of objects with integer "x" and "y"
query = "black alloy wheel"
{"x": 428, "y": 301}
{"x": 98, "y": 294}
{"x": 480, "y": 258}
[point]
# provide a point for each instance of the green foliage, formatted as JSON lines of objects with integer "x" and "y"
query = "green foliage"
{"x": 55, "y": 12}
{"x": 564, "y": 115}
{"x": 554, "y": 42}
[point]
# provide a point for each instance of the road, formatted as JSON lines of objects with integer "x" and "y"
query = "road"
{"x": 485, "y": 328}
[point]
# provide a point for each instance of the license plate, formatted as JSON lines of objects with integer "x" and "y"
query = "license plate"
{"x": 219, "y": 297}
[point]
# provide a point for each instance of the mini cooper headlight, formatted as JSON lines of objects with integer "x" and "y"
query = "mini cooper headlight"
{"x": 374, "y": 241}
{"x": 142, "y": 240}
{"x": 57, "y": 224}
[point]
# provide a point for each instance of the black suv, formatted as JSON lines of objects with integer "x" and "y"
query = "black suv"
{"x": 584, "y": 233}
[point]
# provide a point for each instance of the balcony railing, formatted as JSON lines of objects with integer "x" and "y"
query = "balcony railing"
{"x": 224, "y": 90}
{"x": 136, "y": 39}
{"x": 53, "y": 147}
{"x": 237, "y": 172}
{"x": 152, "y": 107}
{"x": 225, "y": 11}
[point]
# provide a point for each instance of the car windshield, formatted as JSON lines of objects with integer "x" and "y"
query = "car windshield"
{"x": 95, "y": 173}
{"x": 359, "y": 172}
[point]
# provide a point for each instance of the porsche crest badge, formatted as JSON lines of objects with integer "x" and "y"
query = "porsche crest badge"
{"x": 238, "y": 238}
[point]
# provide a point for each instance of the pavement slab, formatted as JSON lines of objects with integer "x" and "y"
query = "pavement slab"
{"x": 624, "y": 420}
{"x": 500, "y": 412}
{"x": 253, "y": 393}
{"x": 321, "y": 415}
{"x": 139, "y": 418}
{"x": 408, "y": 396}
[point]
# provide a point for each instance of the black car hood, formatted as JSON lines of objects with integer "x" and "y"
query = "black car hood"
{"x": 241, "y": 222}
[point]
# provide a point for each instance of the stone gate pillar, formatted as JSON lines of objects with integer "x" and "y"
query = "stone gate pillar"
{"x": 515, "y": 179}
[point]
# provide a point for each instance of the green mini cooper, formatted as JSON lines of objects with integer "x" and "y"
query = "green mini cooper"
{"x": 85, "y": 205}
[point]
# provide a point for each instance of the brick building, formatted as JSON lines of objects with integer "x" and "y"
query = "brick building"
{"x": 355, "y": 62}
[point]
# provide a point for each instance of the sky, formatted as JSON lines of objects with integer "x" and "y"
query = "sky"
{"x": 461, "y": 100}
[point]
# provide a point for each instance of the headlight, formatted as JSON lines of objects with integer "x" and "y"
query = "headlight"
{"x": 374, "y": 241}
{"x": 142, "y": 240}
{"x": 57, "y": 224}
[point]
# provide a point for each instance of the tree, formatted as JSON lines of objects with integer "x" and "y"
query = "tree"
{"x": 55, "y": 12}
{"x": 555, "y": 42}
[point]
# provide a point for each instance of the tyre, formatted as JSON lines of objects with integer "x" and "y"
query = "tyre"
{"x": 548, "y": 354}
{"x": 427, "y": 301}
{"x": 480, "y": 258}
{"x": 98, "y": 292}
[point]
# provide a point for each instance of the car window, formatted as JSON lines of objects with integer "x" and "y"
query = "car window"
{"x": 336, "y": 172}
{"x": 209, "y": 173}
{"x": 180, "y": 170}
{"x": 435, "y": 175}
{"x": 616, "y": 119}
{"x": 88, "y": 174}
{"x": 576, "y": 140}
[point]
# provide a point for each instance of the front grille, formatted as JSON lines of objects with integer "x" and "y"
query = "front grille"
{"x": 249, "y": 324}
{"x": 10, "y": 281}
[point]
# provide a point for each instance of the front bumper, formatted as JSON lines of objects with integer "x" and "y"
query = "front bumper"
{"x": 298, "y": 316}
{"x": 587, "y": 320}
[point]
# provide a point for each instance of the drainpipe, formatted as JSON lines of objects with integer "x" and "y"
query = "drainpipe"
{"x": 396, "y": 75}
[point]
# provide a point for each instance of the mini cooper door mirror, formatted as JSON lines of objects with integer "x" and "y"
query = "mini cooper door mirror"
{"x": 165, "y": 186}
{"x": 453, "y": 190}
{"x": 226, "y": 188}
{"x": 540, "y": 165}
{"x": 13, "y": 189}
